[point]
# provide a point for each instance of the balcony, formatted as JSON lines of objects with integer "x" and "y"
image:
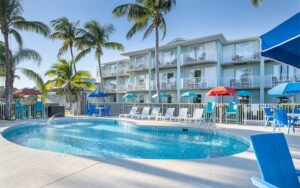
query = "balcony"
{"x": 122, "y": 70}
{"x": 240, "y": 58}
{"x": 169, "y": 84}
{"x": 122, "y": 88}
{"x": 167, "y": 64}
{"x": 198, "y": 83}
{"x": 110, "y": 89}
{"x": 137, "y": 67}
{"x": 108, "y": 73}
{"x": 273, "y": 80}
{"x": 204, "y": 57}
{"x": 245, "y": 82}
{"x": 138, "y": 87}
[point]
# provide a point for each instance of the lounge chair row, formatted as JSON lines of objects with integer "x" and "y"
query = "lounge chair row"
{"x": 169, "y": 115}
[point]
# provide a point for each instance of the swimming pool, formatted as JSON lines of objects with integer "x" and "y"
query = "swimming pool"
{"x": 120, "y": 139}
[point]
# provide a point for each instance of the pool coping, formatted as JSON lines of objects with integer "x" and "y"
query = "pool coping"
{"x": 176, "y": 127}
{"x": 28, "y": 167}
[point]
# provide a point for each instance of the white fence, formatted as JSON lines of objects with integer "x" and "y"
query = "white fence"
{"x": 247, "y": 113}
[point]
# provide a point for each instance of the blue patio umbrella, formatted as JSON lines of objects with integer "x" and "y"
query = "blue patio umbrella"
{"x": 130, "y": 96}
{"x": 283, "y": 42}
{"x": 286, "y": 89}
{"x": 162, "y": 95}
{"x": 244, "y": 93}
{"x": 97, "y": 94}
{"x": 189, "y": 95}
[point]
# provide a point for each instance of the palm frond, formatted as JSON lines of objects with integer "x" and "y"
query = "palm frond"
{"x": 114, "y": 46}
{"x": 26, "y": 54}
{"x": 17, "y": 37}
{"x": 38, "y": 80}
{"x": 82, "y": 54}
{"x": 34, "y": 26}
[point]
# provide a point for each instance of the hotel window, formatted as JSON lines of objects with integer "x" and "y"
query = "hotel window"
{"x": 140, "y": 79}
{"x": 168, "y": 75}
{"x": 168, "y": 57}
{"x": 141, "y": 99}
{"x": 243, "y": 73}
{"x": 244, "y": 50}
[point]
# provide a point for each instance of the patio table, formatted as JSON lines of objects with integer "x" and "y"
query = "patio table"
{"x": 100, "y": 109}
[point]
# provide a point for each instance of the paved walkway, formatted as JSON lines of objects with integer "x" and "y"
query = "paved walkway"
{"x": 26, "y": 167}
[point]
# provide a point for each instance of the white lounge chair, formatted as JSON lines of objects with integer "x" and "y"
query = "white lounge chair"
{"x": 145, "y": 113}
{"x": 132, "y": 112}
{"x": 197, "y": 115}
{"x": 168, "y": 115}
{"x": 154, "y": 113}
{"x": 182, "y": 114}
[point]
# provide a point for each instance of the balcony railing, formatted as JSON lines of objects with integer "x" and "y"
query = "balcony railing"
{"x": 273, "y": 80}
{"x": 169, "y": 84}
{"x": 122, "y": 70}
{"x": 167, "y": 63}
{"x": 122, "y": 88}
{"x": 138, "y": 87}
{"x": 236, "y": 58}
{"x": 188, "y": 58}
{"x": 198, "y": 83}
{"x": 137, "y": 67}
{"x": 243, "y": 82}
{"x": 110, "y": 89}
{"x": 107, "y": 73}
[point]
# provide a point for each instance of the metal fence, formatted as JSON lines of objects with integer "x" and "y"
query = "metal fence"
{"x": 251, "y": 114}
{"x": 12, "y": 110}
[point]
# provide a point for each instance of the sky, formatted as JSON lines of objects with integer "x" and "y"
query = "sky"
{"x": 189, "y": 19}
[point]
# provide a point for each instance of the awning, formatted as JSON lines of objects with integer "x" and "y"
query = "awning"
{"x": 283, "y": 42}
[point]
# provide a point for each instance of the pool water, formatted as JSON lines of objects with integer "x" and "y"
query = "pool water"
{"x": 119, "y": 139}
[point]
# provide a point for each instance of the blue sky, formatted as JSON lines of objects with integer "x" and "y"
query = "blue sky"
{"x": 189, "y": 19}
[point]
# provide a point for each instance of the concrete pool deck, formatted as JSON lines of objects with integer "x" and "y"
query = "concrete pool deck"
{"x": 26, "y": 167}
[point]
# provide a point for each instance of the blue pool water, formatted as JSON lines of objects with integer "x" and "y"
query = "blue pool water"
{"x": 119, "y": 139}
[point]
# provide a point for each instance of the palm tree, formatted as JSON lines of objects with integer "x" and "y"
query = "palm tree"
{"x": 2, "y": 59}
{"x": 66, "y": 31}
{"x": 66, "y": 82}
{"x": 257, "y": 3}
{"x": 147, "y": 15}
{"x": 11, "y": 21}
{"x": 96, "y": 37}
{"x": 38, "y": 80}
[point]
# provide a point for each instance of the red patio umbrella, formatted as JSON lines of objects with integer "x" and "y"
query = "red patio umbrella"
{"x": 221, "y": 91}
{"x": 27, "y": 92}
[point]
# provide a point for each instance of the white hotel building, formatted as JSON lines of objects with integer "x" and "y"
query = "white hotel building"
{"x": 197, "y": 65}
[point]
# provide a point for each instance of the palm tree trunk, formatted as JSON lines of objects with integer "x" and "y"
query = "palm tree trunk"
{"x": 7, "y": 77}
{"x": 100, "y": 74}
{"x": 157, "y": 63}
{"x": 73, "y": 60}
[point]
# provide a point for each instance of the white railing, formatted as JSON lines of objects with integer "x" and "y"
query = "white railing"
{"x": 198, "y": 83}
{"x": 108, "y": 73}
{"x": 138, "y": 87}
{"x": 137, "y": 66}
{"x": 110, "y": 89}
{"x": 236, "y": 57}
{"x": 246, "y": 114}
{"x": 121, "y": 70}
{"x": 122, "y": 88}
{"x": 205, "y": 56}
{"x": 273, "y": 80}
{"x": 244, "y": 82}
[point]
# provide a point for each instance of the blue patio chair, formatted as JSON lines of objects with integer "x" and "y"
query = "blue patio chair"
{"x": 102, "y": 109}
{"x": 296, "y": 119}
{"x": 282, "y": 120}
{"x": 268, "y": 116}
{"x": 210, "y": 112}
{"x": 19, "y": 110}
{"x": 275, "y": 162}
{"x": 38, "y": 109}
{"x": 107, "y": 110}
{"x": 231, "y": 114}
{"x": 92, "y": 110}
